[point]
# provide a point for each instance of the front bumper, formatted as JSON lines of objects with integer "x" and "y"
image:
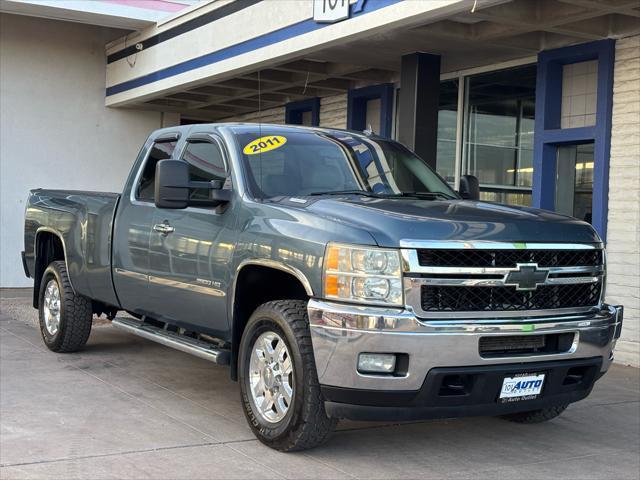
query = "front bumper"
{"x": 341, "y": 332}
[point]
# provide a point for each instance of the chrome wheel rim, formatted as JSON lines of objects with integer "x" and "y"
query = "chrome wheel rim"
{"x": 52, "y": 307}
{"x": 271, "y": 377}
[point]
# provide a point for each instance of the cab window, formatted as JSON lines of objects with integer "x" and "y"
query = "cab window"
{"x": 206, "y": 163}
{"x": 146, "y": 184}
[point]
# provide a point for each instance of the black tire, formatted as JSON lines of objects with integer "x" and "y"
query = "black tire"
{"x": 76, "y": 314}
{"x": 536, "y": 416}
{"x": 305, "y": 424}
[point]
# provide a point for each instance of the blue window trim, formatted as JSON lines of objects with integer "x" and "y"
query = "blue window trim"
{"x": 294, "y": 110}
{"x": 357, "y": 107}
{"x": 549, "y": 136}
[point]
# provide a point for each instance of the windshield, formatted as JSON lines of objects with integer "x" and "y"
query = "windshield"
{"x": 298, "y": 164}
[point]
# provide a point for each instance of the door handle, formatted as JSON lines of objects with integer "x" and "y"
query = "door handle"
{"x": 163, "y": 228}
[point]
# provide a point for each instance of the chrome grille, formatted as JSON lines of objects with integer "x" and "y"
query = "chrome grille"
{"x": 509, "y": 258}
{"x": 467, "y": 279}
{"x": 500, "y": 299}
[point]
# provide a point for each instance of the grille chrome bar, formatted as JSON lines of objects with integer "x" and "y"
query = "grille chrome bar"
{"x": 500, "y": 282}
{"x": 488, "y": 245}
{"x": 594, "y": 270}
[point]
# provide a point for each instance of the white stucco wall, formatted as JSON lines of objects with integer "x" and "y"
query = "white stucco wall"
{"x": 623, "y": 232}
{"x": 55, "y": 131}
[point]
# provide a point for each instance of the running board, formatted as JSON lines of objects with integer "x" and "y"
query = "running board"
{"x": 174, "y": 340}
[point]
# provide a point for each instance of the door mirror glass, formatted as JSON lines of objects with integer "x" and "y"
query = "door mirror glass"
{"x": 172, "y": 184}
{"x": 469, "y": 187}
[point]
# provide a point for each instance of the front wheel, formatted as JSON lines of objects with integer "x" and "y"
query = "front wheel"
{"x": 278, "y": 380}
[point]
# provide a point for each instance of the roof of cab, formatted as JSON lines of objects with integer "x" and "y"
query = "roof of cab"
{"x": 243, "y": 127}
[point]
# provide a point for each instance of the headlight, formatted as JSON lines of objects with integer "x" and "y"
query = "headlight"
{"x": 363, "y": 274}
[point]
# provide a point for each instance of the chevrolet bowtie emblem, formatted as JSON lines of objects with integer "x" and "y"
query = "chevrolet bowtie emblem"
{"x": 527, "y": 276}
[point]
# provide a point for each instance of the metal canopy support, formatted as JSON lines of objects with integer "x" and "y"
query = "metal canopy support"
{"x": 418, "y": 109}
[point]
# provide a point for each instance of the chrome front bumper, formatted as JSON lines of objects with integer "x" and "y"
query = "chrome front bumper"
{"x": 341, "y": 332}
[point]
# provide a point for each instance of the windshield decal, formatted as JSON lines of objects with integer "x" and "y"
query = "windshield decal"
{"x": 264, "y": 144}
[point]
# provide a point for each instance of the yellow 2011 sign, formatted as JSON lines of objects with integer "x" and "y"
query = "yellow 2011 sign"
{"x": 264, "y": 144}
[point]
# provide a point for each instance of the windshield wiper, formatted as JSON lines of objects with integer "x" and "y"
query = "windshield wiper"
{"x": 346, "y": 192}
{"x": 429, "y": 195}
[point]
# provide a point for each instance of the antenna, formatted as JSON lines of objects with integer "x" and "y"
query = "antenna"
{"x": 260, "y": 124}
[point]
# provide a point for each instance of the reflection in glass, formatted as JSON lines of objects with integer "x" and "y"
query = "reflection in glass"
{"x": 574, "y": 181}
{"x": 447, "y": 120}
{"x": 503, "y": 196}
{"x": 498, "y": 143}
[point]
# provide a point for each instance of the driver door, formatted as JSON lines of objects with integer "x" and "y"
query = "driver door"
{"x": 189, "y": 257}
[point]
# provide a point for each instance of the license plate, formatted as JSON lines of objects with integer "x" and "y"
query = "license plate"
{"x": 521, "y": 387}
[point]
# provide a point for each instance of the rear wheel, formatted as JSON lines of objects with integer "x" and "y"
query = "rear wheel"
{"x": 278, "y": 380}
{"x": 65, "y": 318}
{"x": 536, "y": 416}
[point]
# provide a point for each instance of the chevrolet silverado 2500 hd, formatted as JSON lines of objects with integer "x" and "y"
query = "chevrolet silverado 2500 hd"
{"x": 335, "y": 273}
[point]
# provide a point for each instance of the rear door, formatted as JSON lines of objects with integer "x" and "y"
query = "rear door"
{"x": 132, "y": 229}
{"x": 189, "y": 265}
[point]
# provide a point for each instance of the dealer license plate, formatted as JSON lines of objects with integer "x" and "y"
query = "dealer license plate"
{"x": 521, "y": 387}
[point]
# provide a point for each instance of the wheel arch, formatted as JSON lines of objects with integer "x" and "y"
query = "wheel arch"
{"x": 282, "y": 282}
{"x": 48, "y": 246}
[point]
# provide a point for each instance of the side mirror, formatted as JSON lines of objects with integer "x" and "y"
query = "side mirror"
{"x": 469, "y": 187}
{"x": 173, "y": 188}
{"x": 172, "y": 184}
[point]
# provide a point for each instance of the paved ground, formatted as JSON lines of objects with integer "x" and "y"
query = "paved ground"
{"x": 128, "y": 408}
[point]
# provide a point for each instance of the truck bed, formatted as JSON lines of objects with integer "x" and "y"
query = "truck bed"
{"x": 83, "y": 221}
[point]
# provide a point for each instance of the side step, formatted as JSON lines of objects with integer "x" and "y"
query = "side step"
{"x": 174, "y": 340}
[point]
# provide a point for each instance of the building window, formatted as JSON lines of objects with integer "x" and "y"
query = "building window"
{"x": 571, "y": 158}
{"x": 498, "y": 134}
{"x": 574, "y": 181}
{"x": 447, "y": 128}
{"x": 304, "y": 112}
{"x": 371, "y": 107}
{"x": 579, "y": 94}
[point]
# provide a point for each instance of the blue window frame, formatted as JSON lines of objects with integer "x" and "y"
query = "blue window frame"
{"x": 357, "y": 107}
{"x": 295, "y": 110}
{"x": 549, "y": 136}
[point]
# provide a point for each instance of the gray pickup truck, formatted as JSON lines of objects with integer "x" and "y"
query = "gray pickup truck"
{"x": 335, "y": 273}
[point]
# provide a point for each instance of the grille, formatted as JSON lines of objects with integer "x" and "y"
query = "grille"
{"x": 474, "y": 299}
{"x": 499, "y": 346}
{"x": 508, "y": 258}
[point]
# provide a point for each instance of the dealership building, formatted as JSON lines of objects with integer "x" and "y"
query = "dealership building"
{"x": 540, "y": 99}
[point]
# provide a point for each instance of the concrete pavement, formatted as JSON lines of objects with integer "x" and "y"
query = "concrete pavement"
{"x": 128, "y": 408}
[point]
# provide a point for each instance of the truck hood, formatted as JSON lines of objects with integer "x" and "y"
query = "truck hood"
{"x": 392, "y": 220}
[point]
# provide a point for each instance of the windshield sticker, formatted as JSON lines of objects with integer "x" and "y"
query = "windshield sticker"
{"x": 264, "y": 144}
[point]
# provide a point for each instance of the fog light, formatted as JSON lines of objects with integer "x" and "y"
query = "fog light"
{"x": 377, "y": 362}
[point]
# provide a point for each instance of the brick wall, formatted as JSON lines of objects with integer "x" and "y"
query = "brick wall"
{"x": 333, "y": 111}
{"x": 269, "y": 115}
{"x": 623, "y": 233}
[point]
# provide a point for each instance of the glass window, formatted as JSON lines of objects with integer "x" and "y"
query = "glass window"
{"x": 447, "y": 127}
{"x": 498, "y": 140}
{"x": 206, "y": 163}
{"x": 373, "y": 115}
{"x": 574, "y": 181}
{"x": 323, "y": 164}
{"x": 307, "y": 118}
{"x": 146, "y": 184}
{"x": 579, "y": 94}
